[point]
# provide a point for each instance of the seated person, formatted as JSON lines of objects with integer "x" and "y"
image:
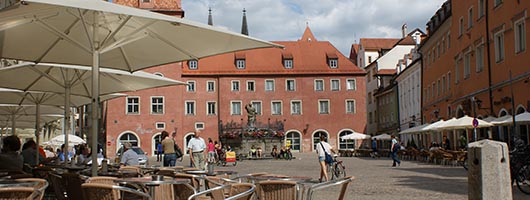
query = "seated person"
{"x": 274, "y": 152}
{"x": 129, "y": 156}
{"x": 84, "y": 156}
{"x": 252, "y": 153}
{"x": 10, "y": 160}
{"x": 29, "y": 151}
{"x": 259, "y": 151}
{"x": 282, "y": 152}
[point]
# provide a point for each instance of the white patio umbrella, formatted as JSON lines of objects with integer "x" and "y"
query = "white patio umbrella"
{"x": 98, "y": 33}
{"x": 520, "y": 118}
{"x": 60, "y": 139}
{"x": 433, "y": 126}
{"x": 383, "y": 136}
{"x": 355, "y": 136}
{"x": 464, "y": 122}
{"x": 73, "y": 82}
{"x": 501, "y": 120}
{"x": 415, "y": 129}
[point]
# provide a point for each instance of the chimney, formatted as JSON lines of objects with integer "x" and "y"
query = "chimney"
{"x": 210, "y": 19}
{"x": 244, "y": 26}
{"x": 404, "y": 30}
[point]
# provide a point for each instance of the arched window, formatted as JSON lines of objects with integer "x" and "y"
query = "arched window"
{"x": 346, "y": 144}
{"x": 128, "y": 137}
{"x": 316, "y": 138}
{"x": 293, "y": 138}
{"x": 187, "y": 139}
{"x": 156, "y": 139}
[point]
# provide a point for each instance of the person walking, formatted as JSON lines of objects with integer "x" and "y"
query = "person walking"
{"x": 196, "y": 147}
{"x": 211, "y": 151}
{"x": 322, "y": 148}
{"x": 394, "y": 150}
{"x": 159, "y": 151}
{"x": 374, "y": 148}
{"x": 168, "y": 147}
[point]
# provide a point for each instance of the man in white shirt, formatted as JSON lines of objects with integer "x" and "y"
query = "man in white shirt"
{"x": 129, "y": 156}
{"x": 196, "y": 147}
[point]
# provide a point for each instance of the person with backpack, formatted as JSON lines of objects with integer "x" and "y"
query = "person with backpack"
{"x": 394, "y": 150}
{"x": 323, "y": 148}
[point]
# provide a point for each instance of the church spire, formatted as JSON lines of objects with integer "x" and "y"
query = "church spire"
{"x": 308, "y": 34}
{"x": 244, "y": 26}
{"x": 210, "y": 19}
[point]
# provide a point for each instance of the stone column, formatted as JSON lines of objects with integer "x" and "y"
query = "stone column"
{"x": 489, "y": 171}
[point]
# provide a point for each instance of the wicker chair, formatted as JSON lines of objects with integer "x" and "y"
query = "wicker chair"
{"x": 183, "y": 191}
{"x": 277, "y": 189}
{"x": 110, "y": 192}
{"x": 18, "y": 193}
{"x": 41, "y": 185}
{"x": 215, "y": 193}
{"x": 194, "y": 179}
{"x": 242, "y": 191}
{"x": 103, "y": 180}
{"x": 130, "y": 171}
{"x": 342, "y": 182}
{"x": 73, "y": 182}
{"x": 59, "y": 186}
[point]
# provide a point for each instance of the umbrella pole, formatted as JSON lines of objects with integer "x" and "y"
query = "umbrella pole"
{"x": 13, "y": 125}
{"x": 37, "y": 125}
{"x": 67, "y": 114}
{"x": 95, "y": 96}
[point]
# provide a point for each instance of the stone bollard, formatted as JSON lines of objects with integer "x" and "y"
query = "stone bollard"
{"x": 489, "y": 171}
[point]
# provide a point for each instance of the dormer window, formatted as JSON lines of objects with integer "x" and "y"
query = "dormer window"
{"x": 333, "y": 60}
{"x": 333, "y": 63}
{"x": 288, "y": 63}
{"x": 193, "y": 64}
{"x": 240, "y": 63}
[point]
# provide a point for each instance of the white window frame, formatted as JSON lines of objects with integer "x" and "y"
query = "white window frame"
{"x": 258, "y": 106}
{"x": 152, "y": 104}
{"x": 351, "y": 84}
{"x": 320, "y": 108}
{"x": 199, "y": 125}
{"x": 460, "y": 26}
{"x": 292, "y": 107}
{"x": 348, "y": 108}
{"x": 232, "y": 107}
{"x": 470, "y": 18}
{"x": 249, "y": 84}
{"x": 271, "y": 81}
{"x": 235, "y": 85}
{"x": 479, "y": 57}
{"x": 208, "y": 109}
{"x": 288, "y": 63}
{"x": 273, "y": 111}
{"x": 481, "y": 9}
{"x": 190, "y": 86}
{"x": 499, "y": 46}
{"x": 133, "y": 104}
{"x": 331, "y": 84}
{"x": 316, "y": 84}
{"x": 240, "y": 63}
{"x": 193, "y": 64}
{"x": 333, "y": 63}
{"x": 162, "y": 124}
{"x": 208, "y": 84}
{"x": 467, "y": 64}
{"x": 287, "y": 86}
{"x": 194, "y": 108}
{"x": 520, "y": 37}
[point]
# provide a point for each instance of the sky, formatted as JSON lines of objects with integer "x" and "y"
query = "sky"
{"x": 342, "y": 22}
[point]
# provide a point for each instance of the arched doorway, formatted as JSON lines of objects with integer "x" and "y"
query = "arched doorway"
{"x": 156, "y": 139}
{"x": 346, "y": 144}
{"x": 293, "y": 138}
{"x": 316, "y": 137}
{"x": 127, "y": 137}
{"x": 187, "y": 139}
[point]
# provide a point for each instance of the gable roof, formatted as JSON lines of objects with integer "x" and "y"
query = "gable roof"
{"x": 376, "y": 44}
{"x": 386, "y": 72}
{"x": 308, "y": 35}
{"x": 353, "y": 52}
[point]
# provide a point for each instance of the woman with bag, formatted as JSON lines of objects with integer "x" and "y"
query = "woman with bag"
{"x": 168, "y": 145}
{"x": 323, "y": 149}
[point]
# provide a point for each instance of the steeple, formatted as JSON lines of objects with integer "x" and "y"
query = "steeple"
{"x": 244, "y": 26}
{"x": 210, "y": 20}
{"x": 308, "y": 35}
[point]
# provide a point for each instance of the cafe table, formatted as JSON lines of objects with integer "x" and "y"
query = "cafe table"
{"x": 152, "y": 182}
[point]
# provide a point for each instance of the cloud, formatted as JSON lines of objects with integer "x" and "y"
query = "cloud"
{"x": 342, "y": 22}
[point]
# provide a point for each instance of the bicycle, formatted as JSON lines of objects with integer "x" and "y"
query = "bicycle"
{"x": 336, "y": 169}
{"x": 520, "y": 168}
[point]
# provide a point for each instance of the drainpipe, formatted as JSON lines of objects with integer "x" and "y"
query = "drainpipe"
{"x": 490, "y": 91}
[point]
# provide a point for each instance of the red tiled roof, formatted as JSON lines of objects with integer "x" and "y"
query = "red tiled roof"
{"x": 308, "y": 35}
{"x": 407, "y": 41}
{"x": 384, "y": 72}
{"x": 353, "y": 52}
{"x": 378, "y": 43}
